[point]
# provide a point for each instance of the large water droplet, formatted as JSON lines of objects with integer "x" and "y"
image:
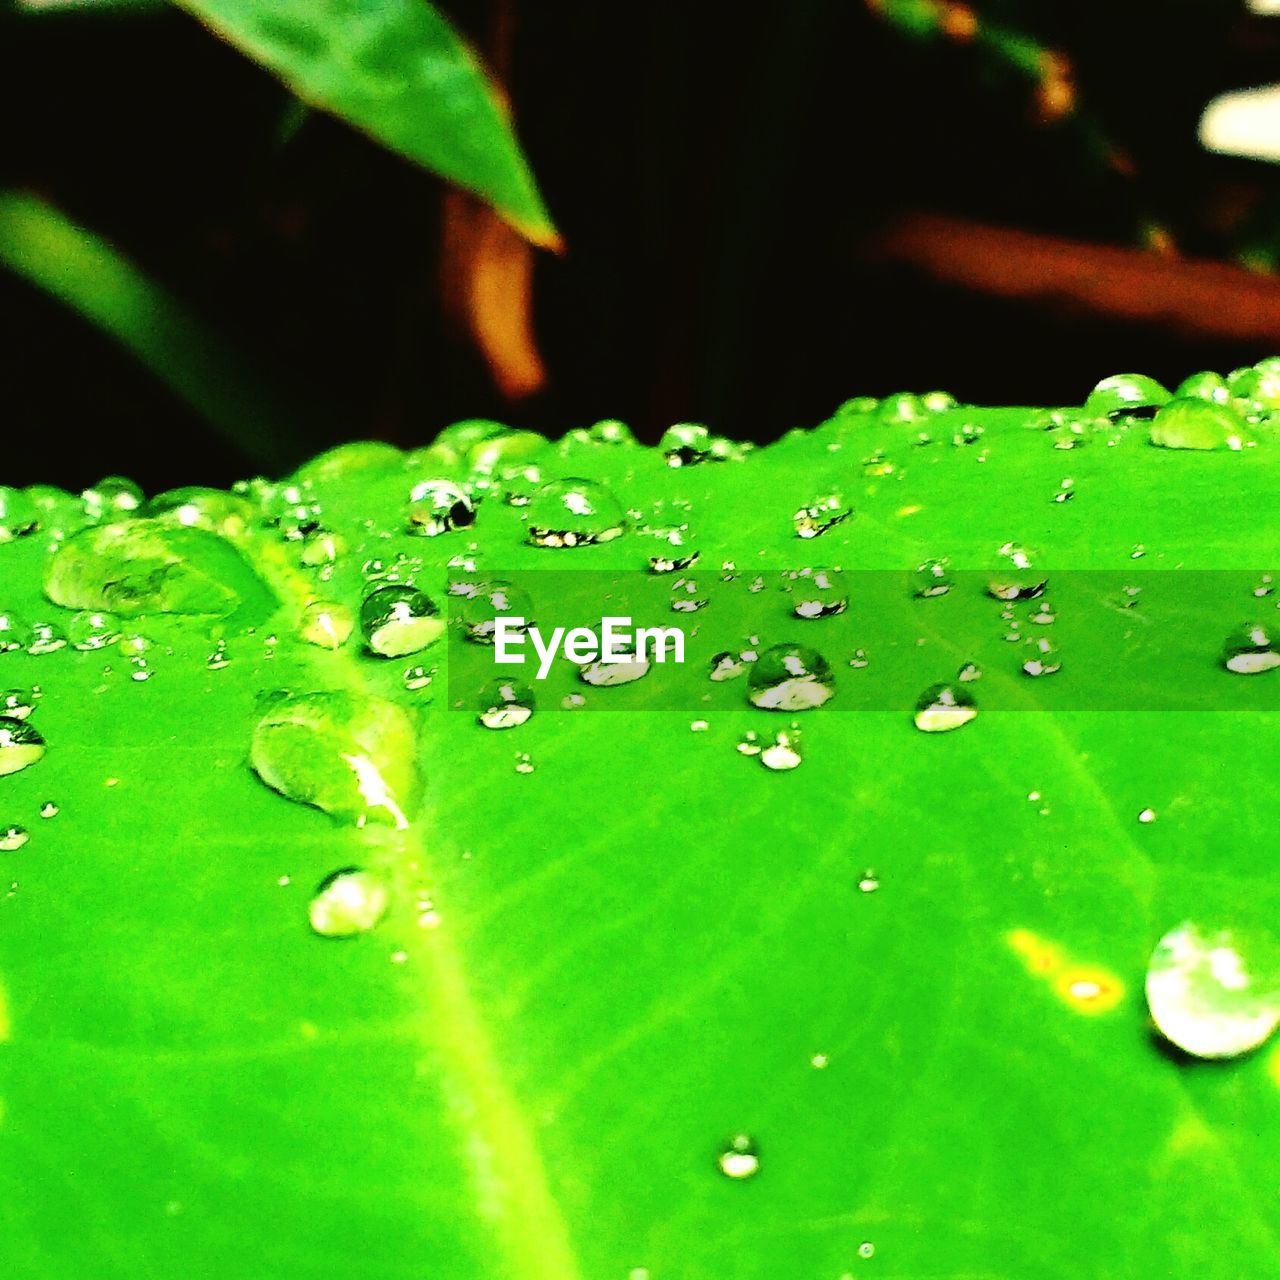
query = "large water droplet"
{"x": 818, "y": 593}
{"x": 46, "y": 637}
{"x": 351, "y": 756}
{"x": 20, "y": 745}
{"x": 1017, "y": 577}
{"x": 111, "y": 497}
{"x": 1215, "y": 993}
{"x": 574, "y": 513}
{"x": 790, "y": 677}
{"x": 1192, "y": 423}
{"x": 1124, "y": 395}
{"x": 348, "y": 903}
{"x": 505, "y": 703}
{"x": 398, "y": 620}
{"x": 942, "y": 707}
{"x": 931, "y": 579}
{"x": 1251, "y": 649}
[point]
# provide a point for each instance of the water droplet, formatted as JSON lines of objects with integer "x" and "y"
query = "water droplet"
{"x": 326, "y": 624}
{"x": 12, "y": 838}
{"x": 439, "y": 506}
{"x": 20, "y": 745}
{"x": 351, "y": 756}
{"x": 1124, "y": 395}
{"x": 19, "y": 514}
{"x": 399, "y": 620}
{"x": 523, "y": 763}
{"x": 219, "y": 658}
{"x": 740, "y": 1158}
{"x": 416, "y": 677}
{"x": 572, "y": 701}
{"x": 820, "y": 515}
{"x": 1043, "y": 613}
{"x": 573, "y": 513}
{"x": 16, "y": 704}
{"x": 14, "y": 632}
{"x": 226, "y": 514}
{"x": 818, "y": 593}
{"x": 698, "y": 726}
{"x": 1017, "y": 578}
{"x": 46, "y": 637}
{"x": 790, "y": 677}
{"x": 688, "y": 596}
{"x": 1205, "y": 386}
{"x": 969, "y": 673}
{"x": 727, "y": 666}
{"x": 605, "y": 674}
{"x": 783, "y": 753}
{"x": 1215, "y": 993}
{"x": 1147, "y": 815}
{"x": 93, "y": 629}
{"x": 942, "y": 708}
{"x": 348, "y": 903}
{"x": 1250, "y": 650}
{"x": 820, "y": 1061}
{"x": 866, "y": 1249}
{"x": 967, "y": 433}
{"x": 1265, "y": 586}
{"x": 49, "y": 809}
{"x": 687, "y": 444}
{"x": 931, "y": 579}
{"x": 869, "y": 882}
{"x": 1066, "y": 491}
{"x": 505, "y": 703}
{"x": 1193, "y": 423}
{"x": 112, "y": 497}
{"x": 490, "y": 601}
{"x": 1043, "y": 659}
{"x": 322, "y": 547}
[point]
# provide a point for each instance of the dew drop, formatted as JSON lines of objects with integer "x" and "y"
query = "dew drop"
{"x": 931, "y": 579}
{"x": 782, "y": 754}
{"x": 415, "y": 678}
{"x": 1042, "y": 659}
{"x": 20, "y": 745}
{"x": 1192, "y": 423}
{"x": 112, "y": 497}
{"x": 439, "y": 506}
{"x": 790, "y": 677}
{"x": 942, "y": 708}
{"x": 866, "y": 1249}
{"x": 219, "y": 658}
{"x": 1147, "y": 815}
{"x": 740, "y": 1158}
{"x": 12, "y": 838}
{"x": 93, "y": 629}
{"x": 322, "y": 547}
{"x": 869, "y": 882}
{"x": 818, "y": 593}
{"x": 816, "y": 517}
{"x": 505, "y": 703}
{"x": 688, "y": 596}
{"x": 19, "y": 514}
{"x": 46, "y": 637}
{"x": 397, "y": 620}
{"x": 523, "y": 763}
{"x": 1250, "y": 650}
{"x": 49, "y": 809}
{"x": 1124, "y": 395}
{"x": 623, "y": 671}
{"x": 14, "y": 632}
{"x": 969, "y": 673}
{"x": 347, "y": 903}
{"x": 16, "y": 704}
{"x": 859, "y": 660}
{"x": 1215, "y": 993}
{"x": 573, "y": 513}
{"x": 490, "y": 601}
{"x": 1017, "y": 578}
{"x": 326, "y": 624}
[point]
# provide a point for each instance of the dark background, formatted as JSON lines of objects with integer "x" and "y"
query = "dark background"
{"x": 722, "y": 176}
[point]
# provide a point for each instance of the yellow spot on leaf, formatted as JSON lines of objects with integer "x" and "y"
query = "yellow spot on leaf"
{"x": 1085, "y": 989}
{"x": 910, "y": 511}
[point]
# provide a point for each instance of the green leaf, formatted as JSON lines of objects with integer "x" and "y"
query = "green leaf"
{"x": 45, "y": 247}
{"x": 399, "y": 71}
{"x": 605, "y": 997}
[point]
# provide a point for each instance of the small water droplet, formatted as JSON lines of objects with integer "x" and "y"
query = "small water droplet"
{"x": 397, "y": 620}
{"x": 1137, "y": 552}
{"x": 866, "y": 1249}
{"x": 112, "y": 497}
{"x": 1215, "y": 993}
{"x": 94, "y": 629}
{"x": 740, "y": 1158}
{"x": 439, "y": 506}
{"x": 1250, "y": 650}
{"x": 12, "y": 838}
{"x": 817, "y": 593}
{"x": 1265, "y": 586}
{"x": 489, "y": 601}
{"x": 1193, "y": 423}
{"x": 688, "y": 596}
{"x": 326, "y": 624}
{"x": 49, "y": 809}
{"x": 969, "y": 673}
{"x": 416, "y": 677}
{"x": 573, "y": 513}
{"x": 816, "y": 517}
{"x": 322, "y": 547}
{"x": 783, "y": 753}
{"x": 505, "y": 703}
{"x": 820, "y": 1061}
{"x": 19, "y": 514}
{"x": 347, "y": 903}
{"x": 46, "y": 637}
{"x": 1043, "y": 613}
{"x": 14, "y": 632}
{"x": 942, "y": 708}
{"x": 1017, "y": 578}
{"x": 930, "y": 579}
{"x": 20, "y": 745}
{"x": 1043, "y": 658}
{"x": 859, "y": 660}
{"x": 868, "y": 882}
{"x": 967, "y": 433}
{"x": 790, "y": 677}
{"x": 572, "y": 701}
{"x": 698, "y": 726}
{"x": 1124, "y": 395}
{"x": 605, "y": 674}
{"x": 1147, "y": 815}
{"x": 219, "y": 658}
{"x": 16, "y": 704}
{"x": 523, "y": 763}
